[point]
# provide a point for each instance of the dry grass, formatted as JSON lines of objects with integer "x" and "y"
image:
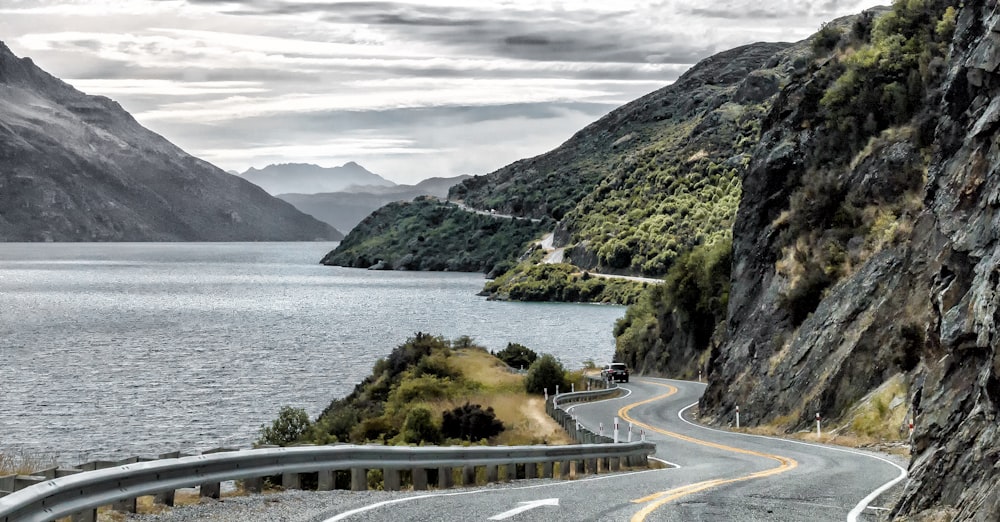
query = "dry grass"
{"x": 21, "y": 462}
{"x": 522, "y": 414}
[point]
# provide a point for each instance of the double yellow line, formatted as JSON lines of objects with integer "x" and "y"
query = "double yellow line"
{"x": 657, "y": 500}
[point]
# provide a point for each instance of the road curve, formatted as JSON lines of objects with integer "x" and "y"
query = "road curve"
{"x": 722, "y": 476}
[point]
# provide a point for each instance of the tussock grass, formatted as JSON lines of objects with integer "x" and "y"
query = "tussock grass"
{"x": 23, "y": 462}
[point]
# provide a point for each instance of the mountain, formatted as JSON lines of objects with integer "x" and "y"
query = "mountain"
{"x": 75, "y": 167}
{"x": 344, "y": 210}
{"x": 306, "y": 178}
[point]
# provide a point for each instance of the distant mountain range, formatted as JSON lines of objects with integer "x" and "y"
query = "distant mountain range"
{"x": 346, "y": 209}
{"x": 306, "y": 178}
{"x": 75, "y": 167}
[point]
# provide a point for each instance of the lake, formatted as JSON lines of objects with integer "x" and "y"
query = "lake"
{"x": 113, "y": 350}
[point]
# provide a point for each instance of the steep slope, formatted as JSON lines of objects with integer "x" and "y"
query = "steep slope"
{"x": 866, "y": 252}
{"x": 650, "y": 180}
{"x": 306, "y": 178}
{"x": 79, "y": 168}
{"x": 420, "y": 235}
{"x": 344, "y": 210}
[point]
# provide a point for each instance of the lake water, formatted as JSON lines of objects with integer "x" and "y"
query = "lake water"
{"x": 113, "y": 350}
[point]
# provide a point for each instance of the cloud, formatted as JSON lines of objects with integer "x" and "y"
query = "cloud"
{"x": 459, "y": 84}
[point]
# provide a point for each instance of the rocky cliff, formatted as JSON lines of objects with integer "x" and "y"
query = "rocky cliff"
{"x": 867, "y": 251}
{"x": 79, "y": 168}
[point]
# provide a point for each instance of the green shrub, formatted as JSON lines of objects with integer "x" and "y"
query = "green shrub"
{"x": 545, "y": 373}
{"x": 517, "y": 355}
{"x": 470, "y": 422}
{"x": 291, "y": 426}
{"x": 419, "y": 427}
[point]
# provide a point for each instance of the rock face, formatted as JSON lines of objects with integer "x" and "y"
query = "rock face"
{"x": 920, "y": 294}
{"x": 79, "y": 168}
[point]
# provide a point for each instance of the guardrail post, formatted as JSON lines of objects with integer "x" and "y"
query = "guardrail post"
{"x": 89, "y": 515}
{"x": 445, "y": 478}
{"x": 615, "y": 463}
{"x": 127, "y": 505}
{"x": 359, "y": 479}
{"x": 326, "y": 480}
{"x": 564, "y": 469}
{"x": 591, "y": 466}
{"x": 492, "y": 474}
{"x": 511, "y": 472}
{"x": 166, "y": 498}
{"x": 419, "y": 479}
{"x": 530, "y": 470}
{"x": 212, "y": 489}
{"x": 547, "y": 470}
{"x": 390, "y": 479}
{"x": 6, "y": 485}
{"x": 291, "y": 481}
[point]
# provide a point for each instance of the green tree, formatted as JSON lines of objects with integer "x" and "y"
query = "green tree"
{"x": 290, "y": 426}
{"x": 517, "y": 355}
{"x": 471, "y": 422}
{"x": 546, "y": 372}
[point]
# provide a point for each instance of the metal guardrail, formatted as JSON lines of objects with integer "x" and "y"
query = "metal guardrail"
{"x": 84, "y": 491}
{"x": 578, "y": 431}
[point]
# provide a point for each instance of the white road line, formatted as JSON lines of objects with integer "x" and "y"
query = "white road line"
{"x": 480, "y": 491}
{"x": 627, "y": 393}
{"x": 852, "y": 516}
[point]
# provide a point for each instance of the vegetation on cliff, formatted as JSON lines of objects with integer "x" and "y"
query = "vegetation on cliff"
{"x": 562, "y": 282}
{"x": 427, "y": 234}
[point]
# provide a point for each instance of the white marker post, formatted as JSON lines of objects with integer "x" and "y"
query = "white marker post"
{"x": 911, "y": 428}
{"x": 630, "y": 432}
{"x": 572, "y": 387}
{"x": 818, "y": 432}
{"x": 737, "y": 417}
{"x": 616, "y": 431}
{"x": 600, "y": 430}
{"x": 699, "y": 375}
{"x": 642, "y": 435}
{"x": 557, "y": 389}
{"x": 546, "y": 390}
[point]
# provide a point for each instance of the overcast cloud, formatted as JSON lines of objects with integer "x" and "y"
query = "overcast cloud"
{"x": 409, "y": 89}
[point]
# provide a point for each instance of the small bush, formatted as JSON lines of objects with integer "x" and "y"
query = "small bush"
{"x": 419, "y": 427}
{"x": 517, "y": 355}
{"x": 471, "y": 422}
{"x": 290, "y": 426}
{"x": 545, "y": 373}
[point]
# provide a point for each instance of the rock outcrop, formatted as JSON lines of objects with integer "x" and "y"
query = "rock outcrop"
{"x": 79, "y": 168}
{"x": 827, "y": 305}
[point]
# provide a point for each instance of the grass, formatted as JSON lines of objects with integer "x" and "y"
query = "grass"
{"x": 22, "y": 462}
{"x": 523, "y": 415}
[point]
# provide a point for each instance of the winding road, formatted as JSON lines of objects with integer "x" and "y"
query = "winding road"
{"x": 719, "y": 476}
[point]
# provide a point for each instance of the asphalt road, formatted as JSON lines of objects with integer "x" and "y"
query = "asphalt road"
{"x": 721, "y": 476}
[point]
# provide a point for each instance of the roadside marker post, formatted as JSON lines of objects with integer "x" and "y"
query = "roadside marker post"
{"x": 630, "y": 432}
{"x": 601, "y": 429}
{"x": 699, "y": 375}
{"x": 642, "y": 435}
{"x": 616, "y": 430}
{"x": 818, "y": 432}
{"x": 572, "y": 387}
{"x": 737, "y": 417}
{"x": 546, "y": 390}
{"x": 911, "y": 428}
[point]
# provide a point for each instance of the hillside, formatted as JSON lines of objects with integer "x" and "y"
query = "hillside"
{"x": 75, "y": 167}
{"x": 344, "y": 210}
{"x": 420, "y": 235}
{"x": 864, "y": 265}
{"x": 306, "y": 178}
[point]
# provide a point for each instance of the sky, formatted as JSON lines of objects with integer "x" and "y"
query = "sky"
{"x": 408, "y": 89}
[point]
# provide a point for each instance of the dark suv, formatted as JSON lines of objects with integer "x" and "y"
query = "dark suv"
{"x": 615, "y": 372}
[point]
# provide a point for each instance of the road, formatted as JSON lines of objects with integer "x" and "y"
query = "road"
{"x": 721, "y": 476}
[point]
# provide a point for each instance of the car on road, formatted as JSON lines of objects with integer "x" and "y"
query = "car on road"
{"x": 615, "y": 372}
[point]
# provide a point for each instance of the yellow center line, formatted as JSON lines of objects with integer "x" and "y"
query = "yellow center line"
{"x": 659, "y": 499}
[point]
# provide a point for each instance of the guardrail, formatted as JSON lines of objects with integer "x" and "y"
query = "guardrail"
{"x": 81, "y": 493}
{"x": 580, "y": 432}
